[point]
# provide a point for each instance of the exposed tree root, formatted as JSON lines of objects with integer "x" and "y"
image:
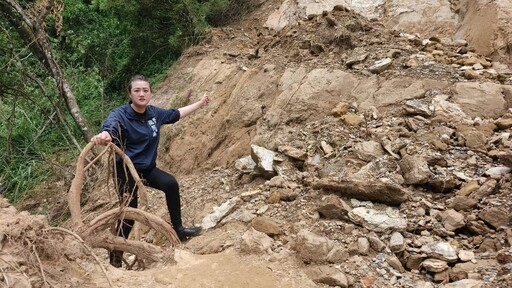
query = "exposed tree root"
{"x": 108, "y": 218}
{"x": 94, "y": 233}
{"x": 141, "y": 249}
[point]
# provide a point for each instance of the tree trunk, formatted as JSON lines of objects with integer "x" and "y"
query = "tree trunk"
{"x": 33, "y": 34}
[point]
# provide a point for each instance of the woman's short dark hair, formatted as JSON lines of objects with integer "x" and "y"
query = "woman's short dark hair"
{"x": 137, "y": 78}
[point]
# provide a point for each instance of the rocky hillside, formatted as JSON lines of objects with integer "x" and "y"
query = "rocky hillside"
{"x": 264, "y": 81}
{"x": 347, "y": 144}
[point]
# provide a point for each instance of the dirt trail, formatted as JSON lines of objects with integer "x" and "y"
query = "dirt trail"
{"x": 226, "y": 269}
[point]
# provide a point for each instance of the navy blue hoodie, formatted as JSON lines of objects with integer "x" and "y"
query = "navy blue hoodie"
{"x": 138, "y": 134}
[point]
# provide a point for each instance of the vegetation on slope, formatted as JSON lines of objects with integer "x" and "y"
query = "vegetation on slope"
{"x": 98, "y": 45}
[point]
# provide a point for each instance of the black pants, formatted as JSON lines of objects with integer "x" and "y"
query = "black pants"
{"x": 154, "y": 178}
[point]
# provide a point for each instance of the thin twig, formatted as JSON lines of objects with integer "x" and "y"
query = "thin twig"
{"x": 40, "y": 265}
{"x": 86, "y": 247}
{"x": 41, "y": 131}
{"x": 5, "y": 277}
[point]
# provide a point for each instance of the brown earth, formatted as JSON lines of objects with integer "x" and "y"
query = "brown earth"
{"x": 288, "y": 89}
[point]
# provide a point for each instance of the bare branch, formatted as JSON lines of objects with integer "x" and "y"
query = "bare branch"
{"x": 57, "y": 110}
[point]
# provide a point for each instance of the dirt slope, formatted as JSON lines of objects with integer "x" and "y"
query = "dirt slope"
{"x": 362, "y": 118}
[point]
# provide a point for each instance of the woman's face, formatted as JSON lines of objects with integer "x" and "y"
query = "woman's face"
{"x": 140, "y": 93}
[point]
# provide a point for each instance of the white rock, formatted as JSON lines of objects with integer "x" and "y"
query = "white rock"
{"x": 264, "y": 159}
{"x": 396, "y": 242}
{"x": 440, "y": 250}
{"x": 498, "y": 171}
{"x": 213, "y": 218}
{"x": 245, "y": 164}
{"x": 465, "y": 255}
{"x": 376, "y": 221}
{"x": 380, "y": 65}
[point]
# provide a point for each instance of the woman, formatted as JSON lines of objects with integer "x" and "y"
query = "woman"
{"x": 135, "y": 128}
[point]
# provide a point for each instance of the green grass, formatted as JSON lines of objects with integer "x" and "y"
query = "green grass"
{"x": 18, "y": 178}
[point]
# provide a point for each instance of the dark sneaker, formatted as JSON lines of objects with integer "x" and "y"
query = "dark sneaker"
{"x": 116, "y": 258}
{"x": 183, "y": 233}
